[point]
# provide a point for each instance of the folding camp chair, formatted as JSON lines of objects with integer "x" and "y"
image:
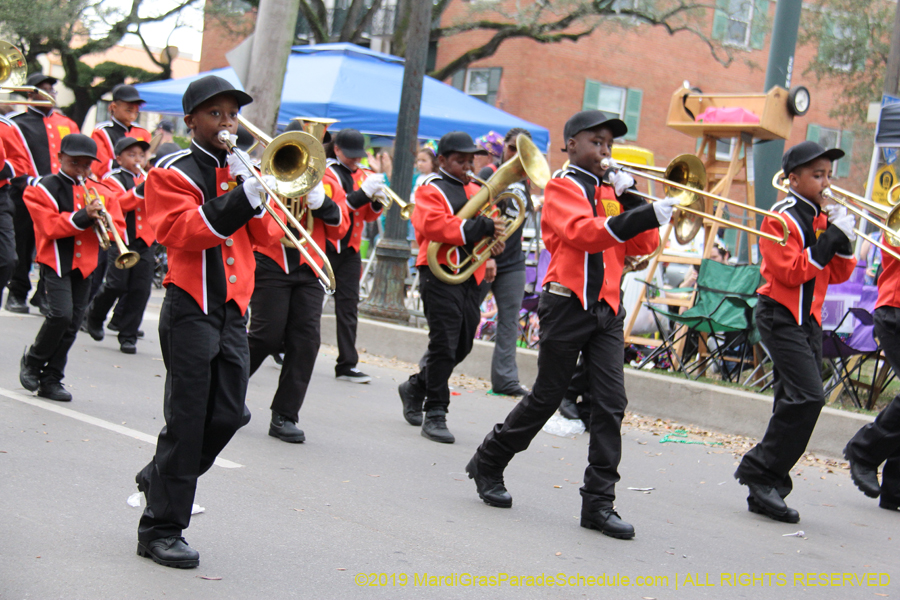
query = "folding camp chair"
{"x": 722, "y": 315}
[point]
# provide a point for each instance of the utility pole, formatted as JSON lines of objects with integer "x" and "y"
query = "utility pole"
{"x": 386, "y": 300}
{"x": 892, "y": 73}
{"x": 767, "y": 154}
{"x": 276, "y": 21}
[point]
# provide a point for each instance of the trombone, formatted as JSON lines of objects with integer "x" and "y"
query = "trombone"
{"x": 387, "y": 197}
{"x": 13, "y": 72}
{"x": 105, "y": 225}
{"x": 528, "y": 162}
{"x": 276, "y": 161}
{"x": 687, "y": 174}
{"x": 888, "y": 220}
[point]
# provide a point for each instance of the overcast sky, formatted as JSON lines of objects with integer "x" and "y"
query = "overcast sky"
{"x": 184, "y": 31}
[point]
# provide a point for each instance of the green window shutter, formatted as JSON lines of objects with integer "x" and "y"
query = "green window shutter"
{"x": 720, "y": 20}
{"x": 591, "y": 95}
{"x": 459, "y": 80}
{"x": 760, "y": 24}
{"x": 843, "y": 167}
{"x": 494, "y": 85}
{"x": 812, "y": 132}
{"x": 632, "y": 115}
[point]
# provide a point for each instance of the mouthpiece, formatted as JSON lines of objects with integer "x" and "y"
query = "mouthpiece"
{"x": 224, "y": 136}
{"x": 608, "y": 163}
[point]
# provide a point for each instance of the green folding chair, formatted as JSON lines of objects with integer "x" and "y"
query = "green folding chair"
{"x": 723, "y": 311}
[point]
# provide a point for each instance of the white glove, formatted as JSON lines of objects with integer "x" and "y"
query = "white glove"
{"x": 238, "y": 168}
{"x": 373, "y": 184}
{"x": 621, "y": 181}
{"x": 845, "y": 223}
{"x": 664, "y": 209}
{"x": 254, "y": 189}
{"x": 316, "y": 197}
{"x": 834, "y": 211}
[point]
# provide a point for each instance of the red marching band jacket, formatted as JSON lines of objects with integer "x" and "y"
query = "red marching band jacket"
{"x": 208, "y": 239}
{"x": 14, "y": 158}
{"x": 358, "y": 216}
{"x": 64, "y": 235}
{"x": 106, "y": 135}
{"x": 808, "y": 256}
{"x": 133, "y": 201}
{"x": 39, "y": 136}
{"x": 434, "y": 220}
{"x": 889, "y": 280}
{"x": 571, "y": 233}
{"x": 321, "y": 231}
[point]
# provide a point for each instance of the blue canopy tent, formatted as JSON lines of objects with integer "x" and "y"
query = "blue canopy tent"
{"x": 361, "y": 89}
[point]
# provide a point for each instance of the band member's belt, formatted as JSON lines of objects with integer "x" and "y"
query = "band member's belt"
{"x": 558, "y": 289}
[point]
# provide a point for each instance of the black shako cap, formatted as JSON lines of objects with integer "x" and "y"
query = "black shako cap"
{"x": 458, "y": 141}
{"x": 351, "y": 142}
{"x": 203, "y": 89}
{"x": 588, "y": 119}
{"x": 127, "y": 142}
{"x": 806, "y": 152}
{"x": 78, "y": 144}
{"x": 126, "y": 93}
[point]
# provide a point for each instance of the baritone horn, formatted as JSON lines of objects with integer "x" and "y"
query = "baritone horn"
{"x": 685, "y": 178}
{"x": 888, "y": 219}
{"x": 528, "y": 162}
{"x": 105, "y": 225}
{"x": 387, "y": 197}
{"x": 276, "y": 161}
{"x": 13, "y": 73}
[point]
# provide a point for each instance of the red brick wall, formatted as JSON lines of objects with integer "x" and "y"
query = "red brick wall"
{"x": 218, "y": 39}
{"x": 544, "y": 83}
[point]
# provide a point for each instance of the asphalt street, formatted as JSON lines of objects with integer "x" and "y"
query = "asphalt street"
{"x": 368, "y": 508}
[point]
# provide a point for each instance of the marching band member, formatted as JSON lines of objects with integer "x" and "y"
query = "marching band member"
{"x": 208, "y": 223}
{"x": 131, "y": 286}
{"x": 13, "y": 161}
{"x": 67, "y": 249}
{"x": 451, "y": 310}
{"x": 40, "y": 131}
{"x": 789, "y": 315}
{"x": 589, "y": 227}
{"x": 123, "y": 113}
{"x": 360, "y": 187}
{"x": 286, "y": 307}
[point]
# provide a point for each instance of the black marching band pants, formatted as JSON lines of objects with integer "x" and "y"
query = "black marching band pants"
{"x": 66, "y": 299}
{"x": 286, "y": 316}
{"x": 566, "y": 330}
{"x": 207, "y": 368}
{"x": 878, "y": 442}
{"x": 19, "y": 283}
{"x": 796, "y": 352}
{"x": 347, "y": 267}
{"x": 452, "y": 313}
{"x": 130, "y": 287}
{"x": 7, "y": 238}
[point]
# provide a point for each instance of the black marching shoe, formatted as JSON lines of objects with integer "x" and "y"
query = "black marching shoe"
{"x": 412, "y": 403}
{"x": 490, "y": 487}
{"x": 285, "y": 430}
{"x": 791, "y": 516}
{"x": 16, "y": 305}
{"x": 889, "y": 504}
{"x": 435, "y": 429}
{"x": 170, "y": 552}
{"x": 128, "y": 348}
{"x": 93, "y": 329}
{"x": 865, "y": 477}
{"x": 568, "y": 409}
{"x": 29, "y": 376}
{"x": 354, "y": 375}
{"x": 608, "y": 522}
{"x": 54, "y": 390}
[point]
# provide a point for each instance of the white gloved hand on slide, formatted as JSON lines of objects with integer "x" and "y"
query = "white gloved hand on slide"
{"x": 254, "y": 189}
{"x": 664, "y": 209}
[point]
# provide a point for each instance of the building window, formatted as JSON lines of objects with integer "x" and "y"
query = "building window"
{"x": 839, "y": 47}
{"x": 741, "y": 23}
{"x": 620, "y": 5}
{"x": 617, "y": 102}
{"x": 834, "y": 138}
{"x": 482, "y": 83}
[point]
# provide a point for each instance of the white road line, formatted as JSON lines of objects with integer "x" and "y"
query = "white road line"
{"x": 68, "y": 412}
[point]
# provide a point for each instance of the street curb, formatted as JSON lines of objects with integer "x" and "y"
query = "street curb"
{"x": 650, "y": 394}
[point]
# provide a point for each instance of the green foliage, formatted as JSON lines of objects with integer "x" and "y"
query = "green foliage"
{"x": 853, "y": 40}
{"x": 181, "y": 140}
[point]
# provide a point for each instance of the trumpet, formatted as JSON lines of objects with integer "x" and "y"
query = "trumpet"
{"x": 283, "y": 149}
{"x": 13, "y": 72}
{"x": 105, "y": 225}
{"x": 528, "y": 162}
{"x": 387, "y": 197}
{"x": 888, "y": 220}
{"x": 685, "y": 178}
